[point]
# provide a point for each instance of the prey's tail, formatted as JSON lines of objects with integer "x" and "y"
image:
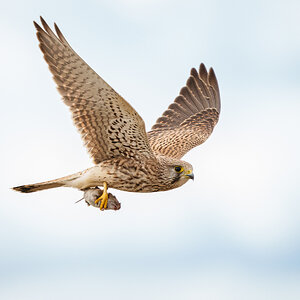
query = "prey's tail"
{"x": 63, "y": 181}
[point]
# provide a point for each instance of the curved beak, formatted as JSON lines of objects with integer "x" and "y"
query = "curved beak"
{"x": 189, "y": 174}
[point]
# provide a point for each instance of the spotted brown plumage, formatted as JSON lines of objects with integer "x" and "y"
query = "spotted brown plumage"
{"x": 100, "y": 114}
{"x": 191, "y": 118}
{"x": 126, "y": 157}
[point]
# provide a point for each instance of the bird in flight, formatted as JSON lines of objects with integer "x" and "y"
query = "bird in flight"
{"x": 127, "y": 157}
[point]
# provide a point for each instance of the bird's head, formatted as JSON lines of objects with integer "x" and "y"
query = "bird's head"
{"x": 178, "y": 172}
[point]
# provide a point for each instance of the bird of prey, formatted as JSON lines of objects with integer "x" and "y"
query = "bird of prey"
{"x": 127, "y": 157}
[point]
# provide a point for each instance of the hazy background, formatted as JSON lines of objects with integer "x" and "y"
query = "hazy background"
{"x": 234, "y": 232}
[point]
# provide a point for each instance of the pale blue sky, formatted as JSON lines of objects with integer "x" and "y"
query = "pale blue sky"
{"x": 234, "y": 232}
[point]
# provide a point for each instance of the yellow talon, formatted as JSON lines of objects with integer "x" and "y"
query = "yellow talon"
{"x": 103, "y": 198}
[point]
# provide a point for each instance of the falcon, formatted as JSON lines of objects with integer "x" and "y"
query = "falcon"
{"x": 127, "y": 157}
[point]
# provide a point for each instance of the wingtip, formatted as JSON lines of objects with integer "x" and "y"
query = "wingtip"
{"x": 56, "y": 27}
{"x": 194, "y": 72}
{"x": 213, "y": 81}
{"x": 45, "y": 25}
{"x": 190, "y": 80}
{"x": 212, "y": 78}
{"x": 36, "y": 25}
{"x": 42, "y": 20}
{"x": 59, "y": 34}
{"x": 211, "y": 73}
{"x": 203, "y": 73}
{"x": 202, "y": 69}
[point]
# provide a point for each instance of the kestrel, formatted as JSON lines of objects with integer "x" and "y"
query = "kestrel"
{"x": 125, "y": 156}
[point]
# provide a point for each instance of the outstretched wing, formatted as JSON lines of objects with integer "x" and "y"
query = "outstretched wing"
{"x": 109, "y": 126}
{"x": 190, "y": 119}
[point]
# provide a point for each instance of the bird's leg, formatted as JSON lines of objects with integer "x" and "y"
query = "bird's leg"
{"x": 103, "y": 198}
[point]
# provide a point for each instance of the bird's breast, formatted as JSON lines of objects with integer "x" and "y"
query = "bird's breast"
{"x": 129, "y": 175}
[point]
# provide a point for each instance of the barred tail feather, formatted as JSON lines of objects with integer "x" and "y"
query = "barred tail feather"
{"x": 29, "y": 188}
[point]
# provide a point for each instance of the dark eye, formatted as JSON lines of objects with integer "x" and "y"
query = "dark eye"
{"x": 178, "y": 169}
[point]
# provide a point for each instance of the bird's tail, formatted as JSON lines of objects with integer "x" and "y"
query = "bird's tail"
{"x": 63, "y": 181}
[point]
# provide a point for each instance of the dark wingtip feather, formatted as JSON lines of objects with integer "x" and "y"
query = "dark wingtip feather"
{"x": 48, "y": 29}
{"x": 36, "y": 25}
{"x": 190, "y": 81}
{"x": 59, "y": 34}
{"x": 194, "y": 72}
{"x": 39, "y": 30}
{"x": 57, "y": 30}
{"x": 45, "y": 25}
{"x": 212, "y": 79}
{"x": 203, "y": 72}
{"x": 211, "y": 72}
